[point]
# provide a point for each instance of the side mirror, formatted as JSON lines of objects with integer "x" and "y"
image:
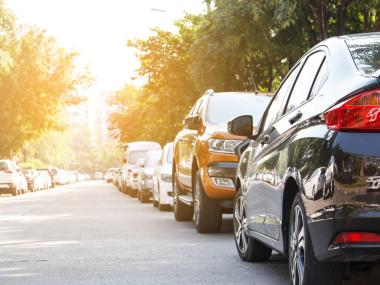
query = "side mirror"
{"x": 192, "y": 122}
{"x": 241, "y": 126}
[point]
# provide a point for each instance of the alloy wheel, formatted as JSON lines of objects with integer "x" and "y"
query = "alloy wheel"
{"x": 240, "y": 225}
{"x": 297, "y": 246}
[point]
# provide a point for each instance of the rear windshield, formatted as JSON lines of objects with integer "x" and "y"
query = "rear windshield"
{"x": 365, "y": 53}
{"x": 224, "y": 108}
{"x": 135, "y": 155}
{"x": 153, "y": 160}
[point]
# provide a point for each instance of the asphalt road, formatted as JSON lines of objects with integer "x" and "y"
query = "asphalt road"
{"x": 89, "y": 233}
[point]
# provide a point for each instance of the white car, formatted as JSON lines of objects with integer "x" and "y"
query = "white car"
{"x": 146, "y": 175}
{"x": 46, "y": 179}
{"x": 162, "y": 190}
{"x": 132, "y": 152}
{"x": 99, "y": 175}
{"x": 10, "y": 178}
{"x": 110, "y": 175}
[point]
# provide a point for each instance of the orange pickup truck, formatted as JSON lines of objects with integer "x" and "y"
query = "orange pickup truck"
{"x": 205, "y": 163}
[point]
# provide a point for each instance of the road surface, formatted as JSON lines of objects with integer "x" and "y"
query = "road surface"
{"x": 89, "y": 233}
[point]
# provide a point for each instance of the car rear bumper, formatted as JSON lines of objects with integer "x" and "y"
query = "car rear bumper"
{"x": 346, "y": 219}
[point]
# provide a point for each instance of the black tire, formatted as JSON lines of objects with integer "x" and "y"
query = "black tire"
{"x": 143, "y": 198}
{"x": 133, "y": 193}
{"x": 301, "y": 250}
{"x": 182, "y": 212}
{"x": 207, "y": 213}
{"x": 249, "y": 249}
{"x": 14, "y": 192}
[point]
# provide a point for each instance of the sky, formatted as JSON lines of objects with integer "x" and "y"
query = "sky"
{"x": 99, "y": 30}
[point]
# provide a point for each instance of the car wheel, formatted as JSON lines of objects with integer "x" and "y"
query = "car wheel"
{"x": 207, "y": 213}
{"x": 144, "y": 199}
{"x": 14, "y": 192}
{"x": 304, "y": 268}
{"x": 248, "y": 248}
{"x": 182, "y": 212}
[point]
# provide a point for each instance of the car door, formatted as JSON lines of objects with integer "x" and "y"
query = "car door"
{"x": 261, "y": 160}
{"x": 186, "y": 143}
{"x": 275, "y": 159}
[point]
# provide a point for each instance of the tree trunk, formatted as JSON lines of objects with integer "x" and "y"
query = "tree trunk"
{"x": 323, "y": 19}
{"x": 377, "y": 24}
{"x": 367, "y": 19}
{"x": 341, "y": 17}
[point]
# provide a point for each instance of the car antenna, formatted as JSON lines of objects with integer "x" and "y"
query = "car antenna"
{"x": 254, "y": 83}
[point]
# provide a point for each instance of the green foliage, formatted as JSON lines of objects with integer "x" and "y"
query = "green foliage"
{"x": 156, "y": 111}
{"x": 71, "y": 149}
{"x": 231, "y": 46}
{"x": 37, "y": 79}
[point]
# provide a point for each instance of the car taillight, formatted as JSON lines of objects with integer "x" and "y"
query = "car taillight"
{"x": 7, "y": 171}
{"x": 356, "y": 237}
{"x": 361, "y": 113}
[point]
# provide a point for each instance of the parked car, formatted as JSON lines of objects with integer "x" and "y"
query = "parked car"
{"x": 23, "y": 182}
{"x": 46, "y": 179}
{"x": 40, "y": 180}
{"x": 30, "y": 175}
{"x": 53, "y": 173}
{"x": 10, "y": 179}
{"x": 110, "y": 175}
{"x": 145, "y": 179}
{"x": 322, "y": 126}
{"x": 162, "y": 180}
{"x": 99, "y": 175}
{"x": 132, "y": 152}
{"x": 135, "y": 174}
{"x": 204, "y": 158}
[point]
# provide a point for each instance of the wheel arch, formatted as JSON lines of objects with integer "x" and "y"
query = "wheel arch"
{"x": 194, "y": 169}
{"x": 291, "y": 189}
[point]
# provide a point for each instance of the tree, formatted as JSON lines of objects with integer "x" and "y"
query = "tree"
{"x": 39, "y": 79}
{"x": 157, "y": 110}
{"x": 233, "y": 45}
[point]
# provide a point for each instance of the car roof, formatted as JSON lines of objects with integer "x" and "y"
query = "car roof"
{"x": 234, "y": 93}
{"x": 359, "y": 35}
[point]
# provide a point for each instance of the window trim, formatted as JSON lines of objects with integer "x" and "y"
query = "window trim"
{"x": 264, "y": 117}
{"x": 300, "y": 61}
{"x": 295, "y": 82}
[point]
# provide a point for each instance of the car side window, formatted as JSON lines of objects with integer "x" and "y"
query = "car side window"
{"x": 282, "y": 93}
{"x": 196, "y": 108}
{"x": 320, "y": 80}
{"x": 305, "y": 80}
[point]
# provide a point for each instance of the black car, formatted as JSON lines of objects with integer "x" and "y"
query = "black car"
{"x": 302, "y": 181}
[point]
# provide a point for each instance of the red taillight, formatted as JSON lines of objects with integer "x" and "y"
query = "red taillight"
{"x": 362, "y": 113}
{"x": 356, "y": 237}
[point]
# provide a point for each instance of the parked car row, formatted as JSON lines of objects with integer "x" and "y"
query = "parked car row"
{"x": 16, "y": 181}
{"x": 147, "y": 173}
{"x": 299, "y": 170}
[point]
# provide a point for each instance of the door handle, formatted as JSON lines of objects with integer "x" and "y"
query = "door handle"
{"x": 295, "y": 118}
